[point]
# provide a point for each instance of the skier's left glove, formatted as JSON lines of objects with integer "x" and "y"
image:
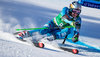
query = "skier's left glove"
{"x": 75, "y": 38}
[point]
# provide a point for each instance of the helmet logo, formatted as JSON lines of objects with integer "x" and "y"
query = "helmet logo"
{"x": 72, "y": 6}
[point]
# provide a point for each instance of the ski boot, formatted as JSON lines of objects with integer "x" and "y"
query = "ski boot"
{"x": 37, "y": 43}
{"x": 22, "y": 35}
{"x": 40, "y": 45}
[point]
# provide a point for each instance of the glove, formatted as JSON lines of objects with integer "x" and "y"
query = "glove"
{"x": 75, "y": 38}
{"x": 73, "y": 24}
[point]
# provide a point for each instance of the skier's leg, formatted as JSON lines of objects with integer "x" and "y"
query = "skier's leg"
{"x": 34, "y": 33}
{"x": 67, "y": 31}
{"x": 61, "y": 34}
{"x": 71, "y": 33}
{"x": 50, "y": 31}
{"x": 25, "y": 34}
{"x": 50, "y": 27}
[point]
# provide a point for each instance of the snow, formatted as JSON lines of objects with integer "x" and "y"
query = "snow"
{"x": 35, "y": 13}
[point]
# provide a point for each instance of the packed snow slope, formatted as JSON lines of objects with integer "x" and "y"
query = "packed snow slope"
{"x": 35, "y": 13}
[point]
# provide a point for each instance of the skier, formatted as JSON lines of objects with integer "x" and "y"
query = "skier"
{"x": 67, "y": 23}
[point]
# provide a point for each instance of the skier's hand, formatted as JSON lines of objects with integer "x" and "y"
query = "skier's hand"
{"x": 75, "y": 38}
{"x": 73, "y": 24}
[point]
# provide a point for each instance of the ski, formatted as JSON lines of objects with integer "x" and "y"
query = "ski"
{"x": 33, "y": 41}
{"x": 39, "y": 44}
{"x": 75, "y": 51}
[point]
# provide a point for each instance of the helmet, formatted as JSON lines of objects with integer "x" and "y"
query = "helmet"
{"x": 75, "y": 5}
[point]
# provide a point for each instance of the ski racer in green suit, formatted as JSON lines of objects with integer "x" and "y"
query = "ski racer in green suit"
{"x": 68, "y": 22}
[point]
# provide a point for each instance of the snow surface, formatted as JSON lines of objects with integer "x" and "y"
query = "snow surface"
{"x": 35, "y": 13}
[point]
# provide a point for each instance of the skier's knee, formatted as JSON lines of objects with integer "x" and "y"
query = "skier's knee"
{"x": 44, "y": 31}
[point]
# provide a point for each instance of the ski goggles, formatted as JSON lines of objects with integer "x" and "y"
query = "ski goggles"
{"x": 76, "y": 11}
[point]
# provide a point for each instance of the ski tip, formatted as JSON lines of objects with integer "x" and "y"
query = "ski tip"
{"x": 75, "y": 51}
{"x": 41, "y": 45}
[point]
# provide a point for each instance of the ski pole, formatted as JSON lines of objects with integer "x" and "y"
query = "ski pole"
{"x": 43, "y": 28}
{"x": 66, "y": 36}
{"x": 30, "y": 29}
{"x": 38, "y": 28}
{"x": 64, "y": 39}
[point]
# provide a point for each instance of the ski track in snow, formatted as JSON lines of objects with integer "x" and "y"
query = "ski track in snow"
{"x": 24, "y": 14}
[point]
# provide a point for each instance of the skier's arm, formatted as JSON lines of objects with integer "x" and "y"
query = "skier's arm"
{"x": 64, "y": 10}
{"x": 65, "y": 19}
{"x": 72, "y": 23}
{"x": 76, "y": 30}
{"x": 78, "y": 24}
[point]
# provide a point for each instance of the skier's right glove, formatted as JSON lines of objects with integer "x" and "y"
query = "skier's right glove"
{"x": 75, "y": 38}
{"x": 73, "y": 24}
